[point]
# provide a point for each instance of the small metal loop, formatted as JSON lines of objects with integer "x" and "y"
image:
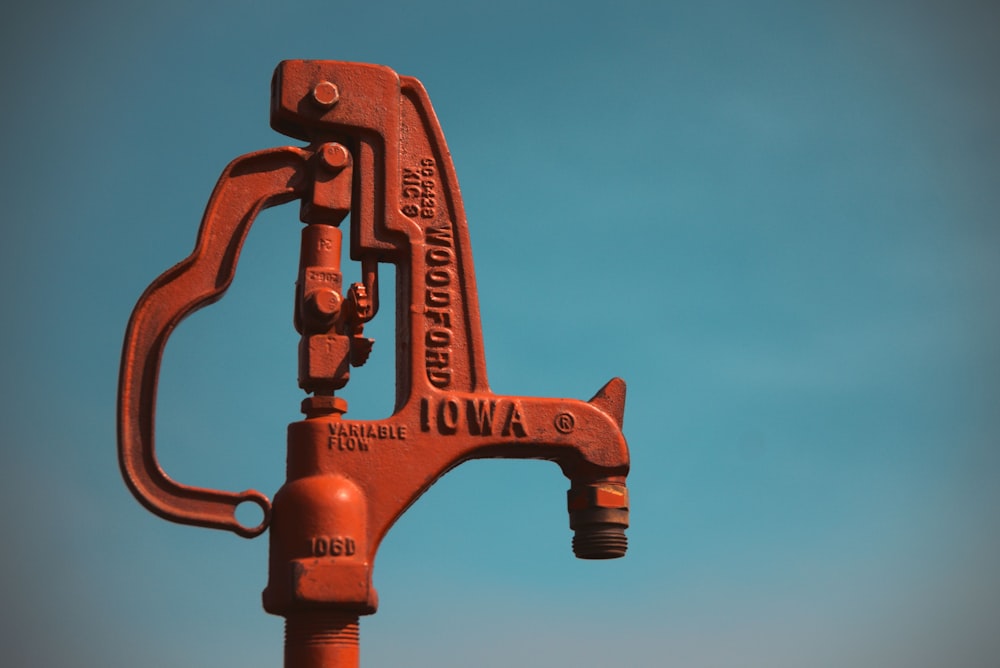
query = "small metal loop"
{"x": 252, "y": 496}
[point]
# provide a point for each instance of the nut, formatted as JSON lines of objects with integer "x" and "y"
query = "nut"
{"x": 603, "y": 495}
{"x": 321, "y": 404}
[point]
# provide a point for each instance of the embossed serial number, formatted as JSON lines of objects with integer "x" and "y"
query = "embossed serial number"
{"x": 332, "y": 546}
{"x": 420, "y": 190}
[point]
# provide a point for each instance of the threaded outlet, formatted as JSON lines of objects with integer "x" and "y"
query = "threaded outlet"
{"x": 600, "y": 541}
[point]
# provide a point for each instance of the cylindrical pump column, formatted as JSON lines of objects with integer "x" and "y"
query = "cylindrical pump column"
{"x": 321, "y": 639}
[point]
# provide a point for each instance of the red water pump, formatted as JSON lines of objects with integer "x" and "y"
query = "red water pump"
{"x": 374, "y": 151}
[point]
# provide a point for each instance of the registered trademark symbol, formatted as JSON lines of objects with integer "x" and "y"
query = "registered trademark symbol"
{"x": 565, "y": 422}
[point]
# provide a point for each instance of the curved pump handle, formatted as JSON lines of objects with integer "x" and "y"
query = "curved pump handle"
{"x": 249, "y": 184}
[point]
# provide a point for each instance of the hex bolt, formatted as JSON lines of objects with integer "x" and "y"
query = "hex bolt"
{"x": 323, "y": 404}
{"x": 325, "y": 94}
{"x": 334, "y": 156}
{"x": 325, "y": 302}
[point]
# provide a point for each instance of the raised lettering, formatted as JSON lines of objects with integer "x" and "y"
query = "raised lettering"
{"x": 438, "y": 359}
{"x": 439, "y": 256}
{"x": 480, "y": 417}
{"x": 425, "y": 419}
{"x": 411, "y": 177}
{"x": 438, "y": 277}
{"x": 439, "y": 298}
{"x": 332, "y": 546}
{"x": 480, "y": 412}
{"x": 515, "y": 423}
{"x": 439, "y": 316}
{"x": 357, "y": 437}
{"x": 439, "y": 235}
{"x": 448, "y": 415}
{"x": 438, "y": 280}
{"x": 440, "y": 379}
{"x": 437, "y": 337}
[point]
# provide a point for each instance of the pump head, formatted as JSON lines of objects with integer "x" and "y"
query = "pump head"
{"x": 376, "y": 153}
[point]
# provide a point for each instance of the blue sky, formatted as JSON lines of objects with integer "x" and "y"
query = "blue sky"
{"x": 778, "y": 221}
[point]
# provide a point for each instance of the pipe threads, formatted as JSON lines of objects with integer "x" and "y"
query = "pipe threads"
{"x": 322, "y": 628}
{"x": 600, "y": 541}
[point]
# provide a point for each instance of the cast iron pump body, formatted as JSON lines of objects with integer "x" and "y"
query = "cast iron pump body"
{"x": 375, "y": 151}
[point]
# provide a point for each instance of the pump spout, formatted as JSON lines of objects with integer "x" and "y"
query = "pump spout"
{"x": 598, "y": 508}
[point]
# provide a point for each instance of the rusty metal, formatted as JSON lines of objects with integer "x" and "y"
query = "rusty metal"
{"x": 376, "y": 152}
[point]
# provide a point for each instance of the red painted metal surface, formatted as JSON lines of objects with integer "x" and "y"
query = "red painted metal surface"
{"x": 375, "y": 151}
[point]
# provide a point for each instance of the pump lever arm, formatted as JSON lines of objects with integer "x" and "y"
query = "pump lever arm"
{"x": 249, "y": 184}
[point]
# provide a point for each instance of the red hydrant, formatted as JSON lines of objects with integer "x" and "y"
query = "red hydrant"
{"x": 375, "y": 151}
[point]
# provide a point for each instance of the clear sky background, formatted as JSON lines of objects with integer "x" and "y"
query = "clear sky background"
{"x": 778, "y": 221}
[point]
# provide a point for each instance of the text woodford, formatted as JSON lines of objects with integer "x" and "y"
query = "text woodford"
{"x": 439, "y": 279}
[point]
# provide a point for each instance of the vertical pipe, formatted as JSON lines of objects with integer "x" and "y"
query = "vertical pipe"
{"x": 321, "y": 639}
